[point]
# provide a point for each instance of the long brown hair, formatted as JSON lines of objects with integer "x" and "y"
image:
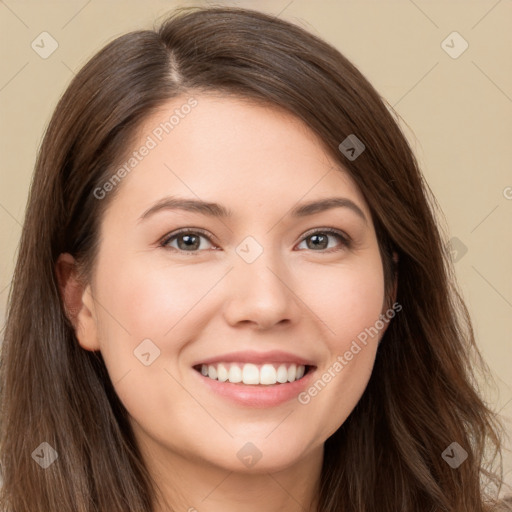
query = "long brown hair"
{"x": 422, "y": 395}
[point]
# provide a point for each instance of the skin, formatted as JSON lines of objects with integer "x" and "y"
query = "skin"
{"x": 259, "y": 162}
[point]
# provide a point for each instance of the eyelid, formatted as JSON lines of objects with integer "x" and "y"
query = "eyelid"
{"x": 327, "y": 230}
{"x": 166, "y": 238}
{"x": 346, "y": 240}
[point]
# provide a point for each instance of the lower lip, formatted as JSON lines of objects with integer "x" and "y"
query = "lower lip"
{"x": 258, "y": 396}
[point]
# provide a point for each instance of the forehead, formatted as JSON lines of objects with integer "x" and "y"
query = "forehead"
{"x": 232, "y": 150}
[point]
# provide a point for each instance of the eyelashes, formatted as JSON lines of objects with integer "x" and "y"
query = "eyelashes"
{"x": 194, "y": 236}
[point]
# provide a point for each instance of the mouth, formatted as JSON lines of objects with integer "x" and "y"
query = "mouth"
{"x": 250, "y": 374}
{"x": 255, "y": 379}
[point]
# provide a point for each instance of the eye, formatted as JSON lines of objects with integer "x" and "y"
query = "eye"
{"x": 189, "y": 241}
{"x": 320, "y": 240}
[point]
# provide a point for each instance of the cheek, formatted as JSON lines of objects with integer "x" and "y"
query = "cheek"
{"x": 345, "y": 299}
{"x": 161, "y": 303}
{"x": 348, "y": 302}
{"x": 143, "y": 321}
{"x": 152, "y": 301}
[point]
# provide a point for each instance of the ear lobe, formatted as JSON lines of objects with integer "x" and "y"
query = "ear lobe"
{"x": 78, "y": 303}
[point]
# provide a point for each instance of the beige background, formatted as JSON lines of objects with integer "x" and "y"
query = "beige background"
{"x": 458, "y": 112}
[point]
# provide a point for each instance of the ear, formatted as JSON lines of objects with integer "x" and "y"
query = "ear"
{"x": 78, "y": 302}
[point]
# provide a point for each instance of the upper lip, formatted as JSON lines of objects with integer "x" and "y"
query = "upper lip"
{"x": 251, "y": 356}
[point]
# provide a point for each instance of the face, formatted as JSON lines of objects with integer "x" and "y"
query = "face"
{"x": 260, "y": 288}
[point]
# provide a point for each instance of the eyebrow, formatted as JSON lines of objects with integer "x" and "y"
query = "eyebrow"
{"x": 219, "y": 211}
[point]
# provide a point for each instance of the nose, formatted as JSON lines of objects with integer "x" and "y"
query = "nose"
{"x": 261, "y": 293}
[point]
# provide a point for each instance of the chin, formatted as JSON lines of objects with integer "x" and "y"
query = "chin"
{"x": 257, "y": 456}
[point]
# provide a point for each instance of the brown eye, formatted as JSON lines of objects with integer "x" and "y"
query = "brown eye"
{"x": 187, "y": 241}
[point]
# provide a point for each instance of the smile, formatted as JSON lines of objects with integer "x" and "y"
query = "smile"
{"x": 266, "y": 374}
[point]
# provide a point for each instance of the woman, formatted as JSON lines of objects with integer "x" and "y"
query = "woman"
{"x": 231, "y": 292}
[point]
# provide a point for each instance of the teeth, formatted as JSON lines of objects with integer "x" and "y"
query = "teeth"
{"x": 252, "y": 374}
{"x": 282, "y": 374}
{"x": 212, "y": 372}
{"x": 268, "y": 375}
{"x": 235, "y": 374}
{"x": 222, "y": 373}
{"x": 292, "y": 373}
